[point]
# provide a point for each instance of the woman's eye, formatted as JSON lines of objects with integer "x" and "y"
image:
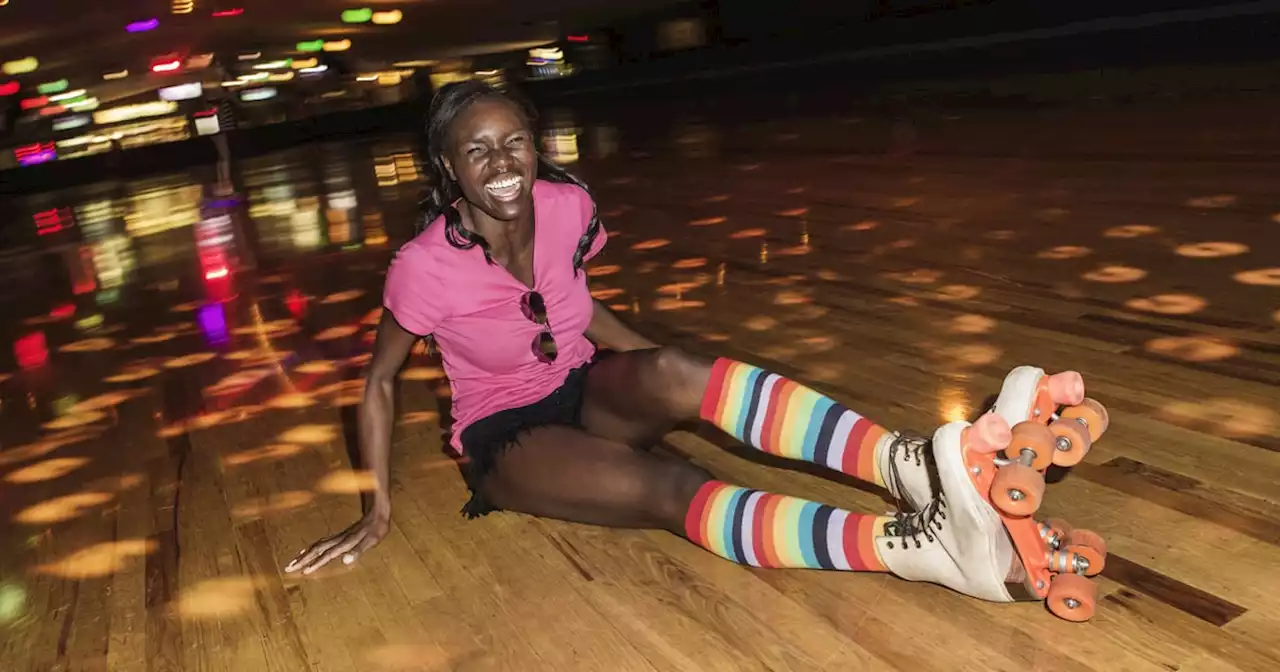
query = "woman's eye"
{"x": 475, "y": 150}
{"x": 519, "y": 139}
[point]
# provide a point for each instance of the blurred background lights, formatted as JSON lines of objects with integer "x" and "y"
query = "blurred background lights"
{"x": 53, "y": 87}
{"x": 21, "y": 66}
{"x": 143, "y": 26}
{"x": 357, "y": 15}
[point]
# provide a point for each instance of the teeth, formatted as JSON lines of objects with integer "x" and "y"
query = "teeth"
{"x": 504, "y": 183}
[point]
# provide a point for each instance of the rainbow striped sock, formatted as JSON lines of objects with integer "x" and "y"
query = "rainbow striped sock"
{"x": 783, "y": 417}
{"x": 759, "y": 529}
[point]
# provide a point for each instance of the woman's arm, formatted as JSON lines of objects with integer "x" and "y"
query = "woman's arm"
{"x": 376, "y": 419}
{"x": 377, "y": 410}
{"x": 608, "y": 331}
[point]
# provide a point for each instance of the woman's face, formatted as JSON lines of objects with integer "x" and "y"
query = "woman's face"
{"x": 490, "y": 154}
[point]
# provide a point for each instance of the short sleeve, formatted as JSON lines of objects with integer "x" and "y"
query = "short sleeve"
{"x": 587, "y": 208}
{"x": 413, "y": 291}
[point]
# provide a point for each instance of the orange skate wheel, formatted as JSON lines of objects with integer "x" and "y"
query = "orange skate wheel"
{"x": 1091, "y": 414}
{"x": 1034, "y": 437}
{"x": 1071, "y": 442}
{"x": 1091, "y": 546}
{"x": 1017, "y": 490}
{"x": 1072, "y": 597}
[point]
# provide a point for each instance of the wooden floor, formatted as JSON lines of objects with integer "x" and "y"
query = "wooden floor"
{"x": 170, "y": 457}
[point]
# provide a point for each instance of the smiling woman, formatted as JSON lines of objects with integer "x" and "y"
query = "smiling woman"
{"x": 553, "y": 427}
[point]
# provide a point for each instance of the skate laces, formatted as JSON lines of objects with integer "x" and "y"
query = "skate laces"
{"x": 923, "y": 523}
{"x": 911, "y": 448}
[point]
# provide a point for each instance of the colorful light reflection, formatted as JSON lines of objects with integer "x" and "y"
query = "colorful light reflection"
{"x": 30, "y": 155}
{"x": 212, "y": 319}
{"x": 222, "y": 13}
{"x": 31, "y": 351}
{"x": 53, "y": 87}
{"x": 357, "y": 15}
{"x": 143, "y": 26}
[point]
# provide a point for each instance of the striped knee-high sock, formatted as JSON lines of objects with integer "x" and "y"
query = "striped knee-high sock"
{"x": 759, "y": 529}
{"x": 783, "y": 417}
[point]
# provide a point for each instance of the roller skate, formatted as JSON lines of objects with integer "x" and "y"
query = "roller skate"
{"x": 1003, "y": 475}
{"x": 1028, "y": 395}
{"x": 964, "y": 542}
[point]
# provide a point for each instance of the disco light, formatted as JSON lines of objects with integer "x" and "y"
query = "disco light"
{"x": 313, "y": 45}
{"x": 301, "y": 63}
{"x": 253, "y": 95}
{"x": 68, "y": 96}
{"x": 189, "y": 91}
{"x": 388, "y": 18}
{"x": 131, "y": 112}
{"x": 21, "y": 66}
{"x": 71, "y": 121}
{"x": 143, "y": 26}
{"x": 9, "y": 88}
{"x": 53, "y": 87}
{"x": 357, "y": 15}
{"x": 166, "y": 66}
{"x": 30, "y": 155}
{"x": 337, "y": 45}
{"x": 183, "y": 6}
{"x": 52, "y": 110}
{"x": 34, "y": 103}
{"x": 119, "y": 74}
{"x": 86, "y": 105}
{"x": 223, "y": 13}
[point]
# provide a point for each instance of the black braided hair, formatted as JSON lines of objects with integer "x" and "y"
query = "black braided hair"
{"x": 447, "y": 104}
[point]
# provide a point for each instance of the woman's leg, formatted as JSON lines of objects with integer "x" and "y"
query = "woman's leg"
{"x": 636, "y": 397}
{"x": 569, "y": 474}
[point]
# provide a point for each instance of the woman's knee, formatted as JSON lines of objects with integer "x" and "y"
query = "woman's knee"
{"x": 682, "y": 377}
{"x": 672, "y": 492}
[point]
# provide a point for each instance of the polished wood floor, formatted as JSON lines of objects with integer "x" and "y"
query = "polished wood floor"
{"x": 170, "y": 455}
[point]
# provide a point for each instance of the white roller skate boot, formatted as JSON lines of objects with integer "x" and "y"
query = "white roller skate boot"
{"x": 958, "y": 544}
{"x": 979, "y": 531}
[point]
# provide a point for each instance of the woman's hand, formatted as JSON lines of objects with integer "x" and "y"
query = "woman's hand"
{"x": 349, "y": 544}
{"x": 390, "y": 350}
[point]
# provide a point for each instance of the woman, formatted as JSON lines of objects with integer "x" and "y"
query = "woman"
{"x": 554, "y": 429}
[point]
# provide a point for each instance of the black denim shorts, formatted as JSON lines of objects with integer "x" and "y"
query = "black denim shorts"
{"x": 484, "y": 440}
